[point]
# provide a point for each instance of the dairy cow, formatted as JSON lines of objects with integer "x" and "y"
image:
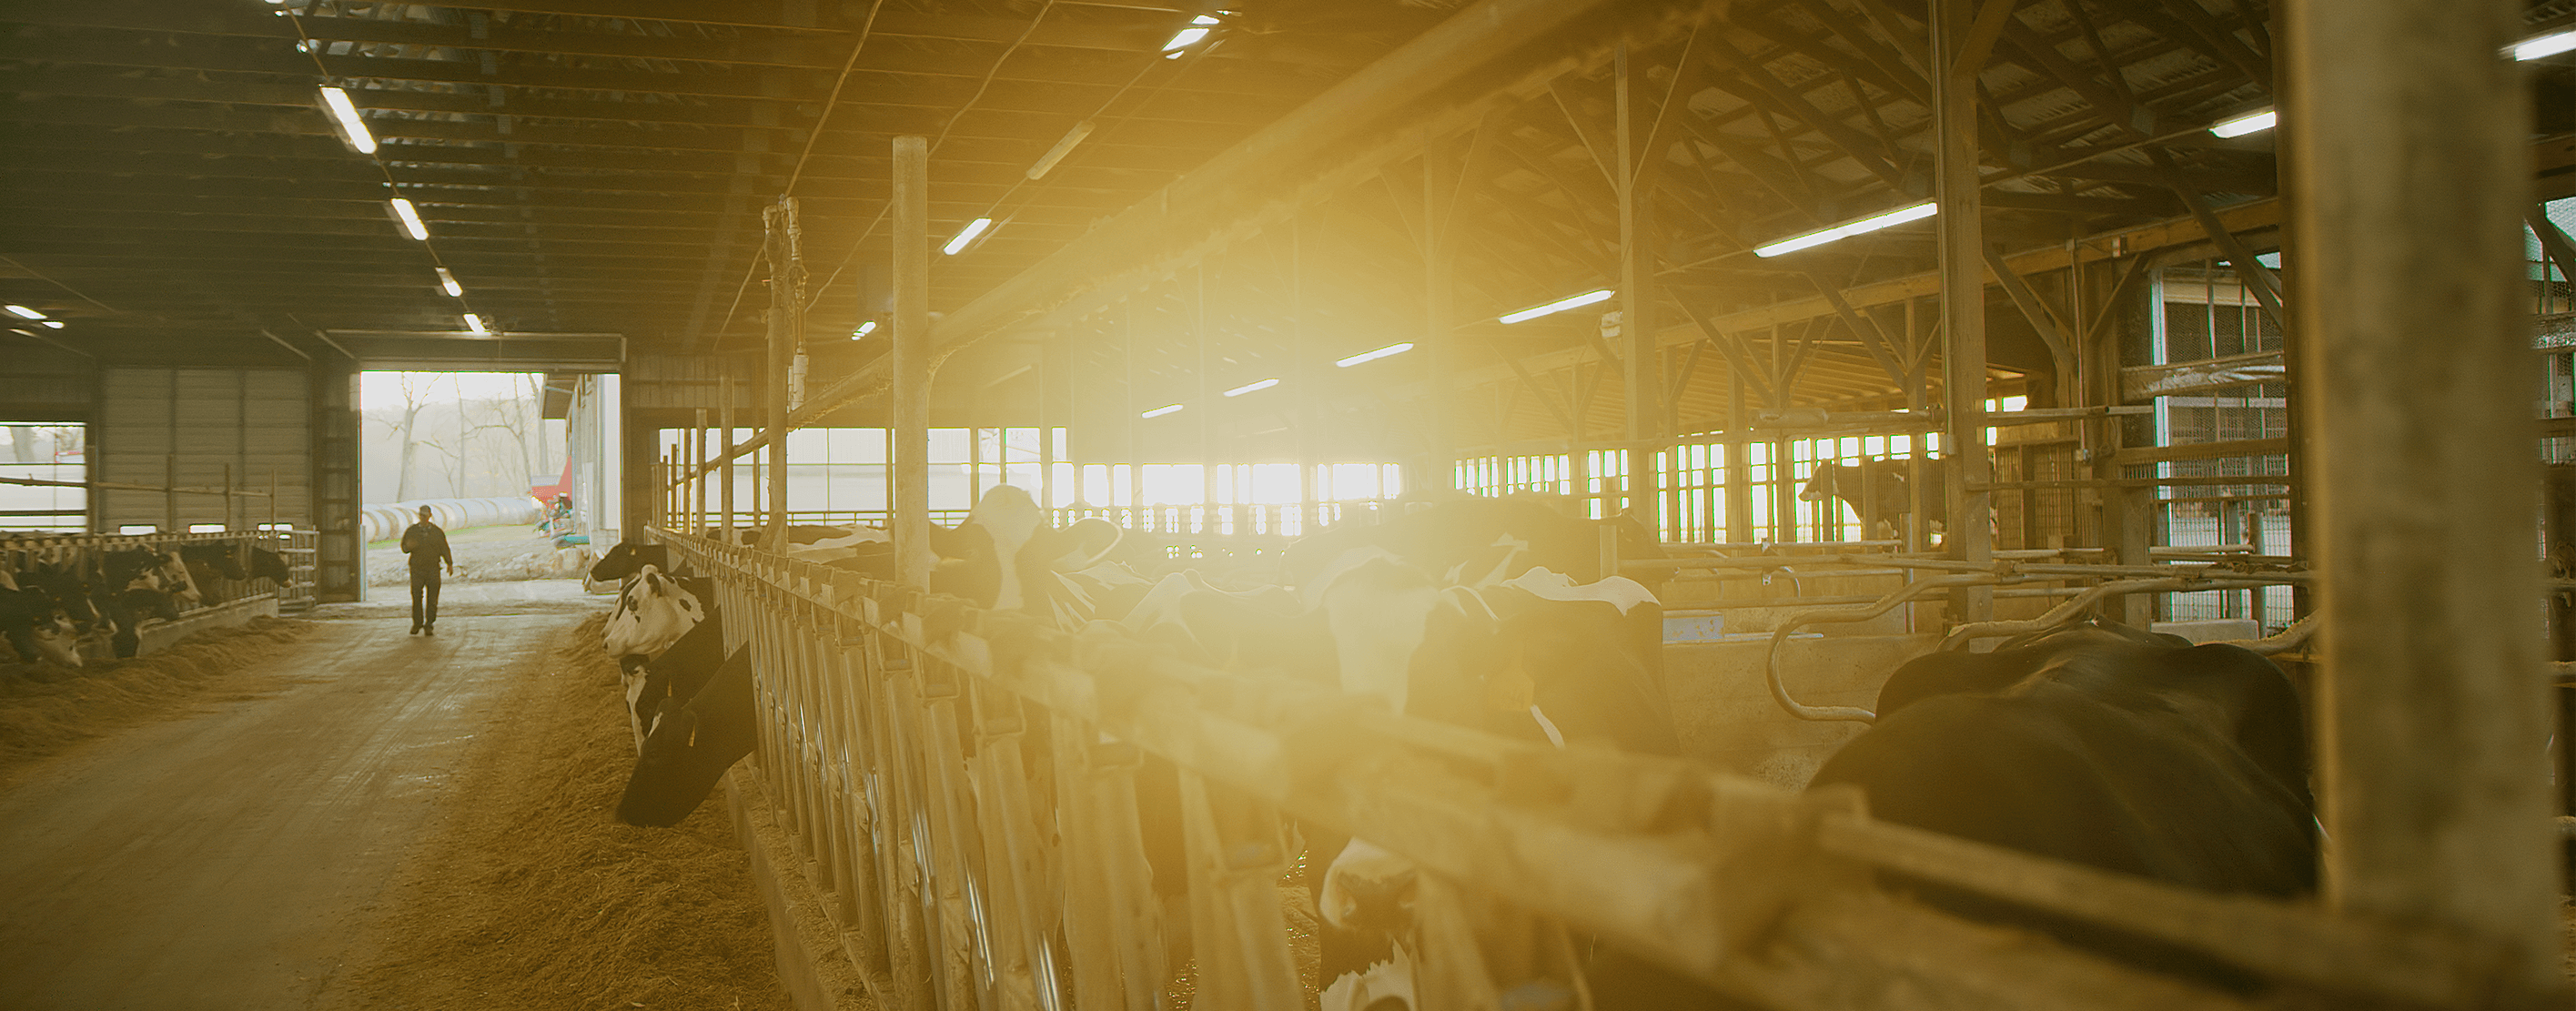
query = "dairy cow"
{"x": 271, "y": 565}
{"x": 1889, "y": 491}
{"x": 689, "y": 749}
{"x": 2102, "y": 746}
{"x": 672, "y": 677}
{"x": 34, "y": 626}
{"x": 654, "y": 612}
{"x": 1454, "y": 614}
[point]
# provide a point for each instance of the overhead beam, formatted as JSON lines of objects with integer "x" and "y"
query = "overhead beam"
{"x": 1228, "y": 197}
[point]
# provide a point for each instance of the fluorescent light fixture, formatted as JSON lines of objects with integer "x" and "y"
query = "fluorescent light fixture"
{"x": 474, "y": 322}
{"x": 448, "y": 281}
{"x": 1560, "y": 305}
{"x": 1863, "y": 226}
{"x": 974, "y": 229}
{"x": 408, "y": 218}
{"x": 344, "y": 113}
{"x": 1188, "y": 37}
{"x": 52, "y": 323}
{"x": 1160, "y": 411}
{"x": 2551, "y": 44}
{"x": 2242, "y": 125}
{"x": 26, "y": 313}
{"x": 864, "y": 329}
{"x": 1252, "y": 387}
{"x": 1365, "y": 357}
{"x": 1046, "y": 162}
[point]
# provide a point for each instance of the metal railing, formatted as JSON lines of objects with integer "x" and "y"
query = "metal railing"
{"x": 17, "y": 548}
{"x": 963, "y": 787}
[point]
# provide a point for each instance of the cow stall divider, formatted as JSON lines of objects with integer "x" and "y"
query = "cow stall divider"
{"x": 963, "y": 787}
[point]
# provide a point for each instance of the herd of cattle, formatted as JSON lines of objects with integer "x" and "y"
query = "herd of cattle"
{"x": 2097, "y": 744}
{"x": 56, "y": 601}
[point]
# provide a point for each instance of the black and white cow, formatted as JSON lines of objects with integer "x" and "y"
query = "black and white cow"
{"x": 1889, "y": 491}
{"x": 2102, "y": 746}
{"x": 670, "y": 678}
{"x": 628, "y": 558}
{"x": 1448, "y": 614}
{"x": 270, "y": 565}
{"x": 655, "y": 611}
{"x": 691, "y": 746}
{"x": 35, "y": 626}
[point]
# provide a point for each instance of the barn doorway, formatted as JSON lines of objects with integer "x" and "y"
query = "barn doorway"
{"x": 479, "y": 449}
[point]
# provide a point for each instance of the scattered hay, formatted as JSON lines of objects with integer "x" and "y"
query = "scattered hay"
{"x": 530, "y": 895}
{"x": 45, "y": 708}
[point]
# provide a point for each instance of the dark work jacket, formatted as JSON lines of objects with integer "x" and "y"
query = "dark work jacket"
{"x": 426, "y": 544}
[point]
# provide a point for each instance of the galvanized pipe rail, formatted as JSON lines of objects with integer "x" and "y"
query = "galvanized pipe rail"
{"x": 964, "y": 785}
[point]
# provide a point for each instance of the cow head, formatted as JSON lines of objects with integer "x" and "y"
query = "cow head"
{"x": 142, "y": 602}
{"x": 223, "y": 557}
{"x": 270, "y": 565}
{"x": 57, "y": 641}
{"x": 69, "y": 591}
{"x": 654, "y": 612}
{"x": 629, "y": 558}
{"x": 1005, "y": 556}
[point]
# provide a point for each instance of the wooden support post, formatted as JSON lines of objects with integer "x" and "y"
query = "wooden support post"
{"x": 1958, "y": 52}
{"x": 698, "y": 473}
{"x": 1739, "y": 465}
{"x": 1050, "y": 368}
{"x": 724, "y": 417}
{"x": 910, "y": 397}
{"x": 2432, "y": 701}
{"x": 1643, "y": 355}
{"x": 170, "y": 492}
{"x": 786, "y": 328}
{"x": 1439, "y": 455}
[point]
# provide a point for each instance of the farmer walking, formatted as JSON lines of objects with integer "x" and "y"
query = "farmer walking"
{"x": 427, "y": 546}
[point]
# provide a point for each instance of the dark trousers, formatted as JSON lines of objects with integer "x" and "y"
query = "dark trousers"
{"x": 424, "y": 579}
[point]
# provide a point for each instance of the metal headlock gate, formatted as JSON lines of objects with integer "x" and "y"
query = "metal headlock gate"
{"x": 963, "y": 786}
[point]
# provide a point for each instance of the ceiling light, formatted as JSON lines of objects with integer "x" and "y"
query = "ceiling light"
{"x": 25, "y": 312}
{"x": 1560, "y": 305}
{"x": 344, "y": 114}
{"x": 1046, "y": 162}
{"x": 1160, "y": 411}
{"x": 2551, "y": 44}
{"x": 448, "y": 281}
{"x": 1252, "y": 387}
{"x": 1188, "y": 37}
{"x": 474, "y": 322}
{"x": 2242, "y": 125}
{"x": 864, "y": 329}
{"x": 54, "y": 323}
{"x": 403, "y": 214}
{"x": 1863, "y": 226}
{"x": 973, "y": 229}
{"x": 1365, "y": 357}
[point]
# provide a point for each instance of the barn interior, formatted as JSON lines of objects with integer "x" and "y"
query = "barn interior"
{"x": 2172, "y": 311}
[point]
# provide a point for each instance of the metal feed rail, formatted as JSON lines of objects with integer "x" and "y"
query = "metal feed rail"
{"x": 963, "y": 784}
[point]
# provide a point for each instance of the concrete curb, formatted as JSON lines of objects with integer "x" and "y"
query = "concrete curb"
{"x": 812, "y": 966}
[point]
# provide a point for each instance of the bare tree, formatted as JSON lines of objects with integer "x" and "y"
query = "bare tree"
{"x": 516, "y": 416}
{"x": 415, "y": 393}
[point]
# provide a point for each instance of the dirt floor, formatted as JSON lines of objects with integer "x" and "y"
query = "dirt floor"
{"x": 350, "y": 817}
{"x": 483, "y": 554}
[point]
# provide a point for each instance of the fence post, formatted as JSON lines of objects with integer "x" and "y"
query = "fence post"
{"x": 2434, "y": 707}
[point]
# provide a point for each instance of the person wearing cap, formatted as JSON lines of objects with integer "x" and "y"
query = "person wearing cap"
{"x": 427, "y": 546}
